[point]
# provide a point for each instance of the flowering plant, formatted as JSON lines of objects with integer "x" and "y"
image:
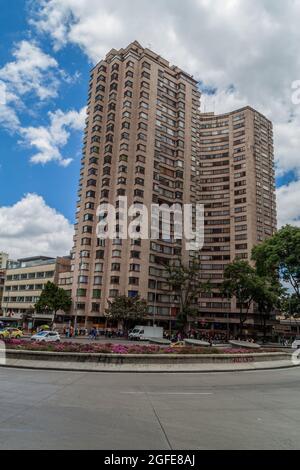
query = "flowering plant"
{"x": 114, "y": 348}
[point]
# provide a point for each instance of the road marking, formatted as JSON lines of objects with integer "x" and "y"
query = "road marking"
{"x": 166, "y": 393}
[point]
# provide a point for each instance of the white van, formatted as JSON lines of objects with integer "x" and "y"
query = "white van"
{"x": 296, "y": 343}
{"x": 142, "y": 333}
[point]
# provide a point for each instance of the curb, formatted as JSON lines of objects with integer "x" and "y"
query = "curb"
{"x": 242, "y": 368}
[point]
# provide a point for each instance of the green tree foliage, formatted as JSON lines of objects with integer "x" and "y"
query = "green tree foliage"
{"x": 279, "y": 257}
{"x": 129, "y": 310}
{"x": 185, "y": 283}
{"x": 267, "y": 296}
{"x": 53, "y": 299}
{"x": 290, "y": 305}
{"x": 240, "y": 281}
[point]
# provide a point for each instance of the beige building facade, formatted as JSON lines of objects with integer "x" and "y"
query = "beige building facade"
{"x": 140, "y": 143}
{"x": 237, "y": 187}
{"x": 24, "y": 283}
{"x": 146, "y": 140}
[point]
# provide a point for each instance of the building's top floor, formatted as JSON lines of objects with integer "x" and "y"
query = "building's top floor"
{"x": 136, "y": 50}
{"x": 37, "y": 261}
{"x": 211, "y": 115}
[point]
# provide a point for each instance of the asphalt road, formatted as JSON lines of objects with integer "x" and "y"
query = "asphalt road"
{"x": 64, "y": 410}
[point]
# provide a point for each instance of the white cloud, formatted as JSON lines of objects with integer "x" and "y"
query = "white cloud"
{"x": 288, "y": 204}
{"x": 8, "y": 117}
{"x": 51, "y": 139}
{"x": 247, "y": 49}
{"x": 30, "y": 227}
{"x": 32, "y": 71}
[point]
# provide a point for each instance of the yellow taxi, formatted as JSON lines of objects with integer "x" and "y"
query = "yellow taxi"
{"x": 13, "y": 333}
{"x": 4, "y": 334}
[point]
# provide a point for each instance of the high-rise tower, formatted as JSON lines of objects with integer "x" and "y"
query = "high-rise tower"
{"x": 141, "y": 141}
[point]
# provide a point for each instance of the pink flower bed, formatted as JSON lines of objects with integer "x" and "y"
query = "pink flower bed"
{"x": 107, "y": 348}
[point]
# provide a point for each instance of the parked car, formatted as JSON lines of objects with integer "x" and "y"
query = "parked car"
{"x": 296, "y": 343}
{"x": 14, "y": 333}
{"x": 4, "y": 334}
{"x": 46, "y": 337}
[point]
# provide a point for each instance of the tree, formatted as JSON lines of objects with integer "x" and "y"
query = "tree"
{"x": 53, "y": 299}
{"x": 291, "y": 305}
{"x": 129, "y": 310}
{"x": 185, "y": 284}
{"x": 279, "y": 257}
{"x": 267, "y": 297}
{"x": 240, "y": 281}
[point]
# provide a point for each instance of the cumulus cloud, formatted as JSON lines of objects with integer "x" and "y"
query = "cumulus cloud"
{"x": 288, "y": 204}
{"x": 30, "y": 227}
{"x": 248, "y": 50}
{"x": 31, "y": 71}
{"x": 51, "y": 139}
{"x": 8, "y": 117}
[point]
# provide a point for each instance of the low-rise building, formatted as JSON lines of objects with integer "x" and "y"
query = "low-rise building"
{"x": 24, "y": 283}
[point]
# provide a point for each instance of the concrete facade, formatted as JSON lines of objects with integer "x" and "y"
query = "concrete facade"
{"x": 140, "y": 142}
{"x": 237, "y": 186}
{"x": 146, "y": 139}
{"x": 24, "y": 283}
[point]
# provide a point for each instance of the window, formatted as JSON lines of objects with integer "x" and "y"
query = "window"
{"x": 81, "y": 292}
{"x": 116, "y": 267}
{"x": 117, "y": 253}
{"x": 113, "y": 293}
{"x": 99, "y": 267}
{"x": 138, "y": 193}
{"x": 104, "y": 194}
{"x": 86, "y": 242}
{"x": 96, "y": 294}
{"x": 123, "y": 158}
{"x": 135, "y": 268}
{"x": 88, "y": 217}
{"x": 97, "y": 280}
{"x": 100, "y": 254}
{"x": 133, "y": 293}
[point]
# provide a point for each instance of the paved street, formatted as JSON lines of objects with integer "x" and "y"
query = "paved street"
{"x": 49, "y": 410}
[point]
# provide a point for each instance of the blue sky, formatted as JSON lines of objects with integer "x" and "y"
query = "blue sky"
{"x": 17, "y": 175}
{"x": 241, "y": 51}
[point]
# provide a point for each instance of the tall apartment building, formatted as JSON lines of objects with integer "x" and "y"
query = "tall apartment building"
{"x": 141, "y": 141}
{"x": 146, "y": 139}
{"x": 237, "y": 186}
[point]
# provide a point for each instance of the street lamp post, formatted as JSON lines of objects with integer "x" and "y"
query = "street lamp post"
{"x": 77, "y": 298}
{"x": 154, "y": 313}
